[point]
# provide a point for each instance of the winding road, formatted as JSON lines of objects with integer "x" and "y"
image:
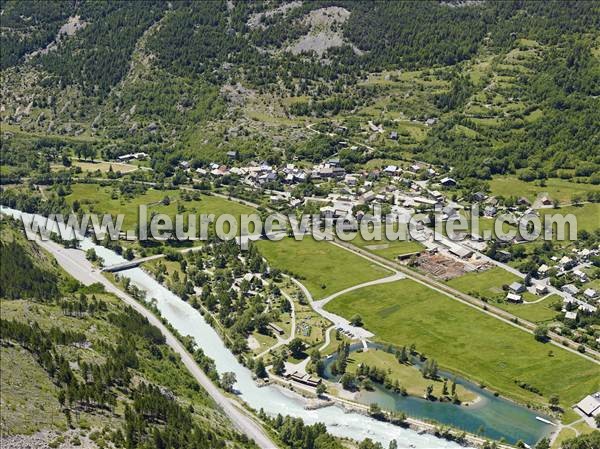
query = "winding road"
{"x": 74, "y": 262}
{"x": 283, "y": 341}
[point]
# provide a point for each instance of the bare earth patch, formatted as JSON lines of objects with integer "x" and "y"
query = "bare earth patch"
{"x": 325, "y": 31}
{"x": 253, "y": 343}
{"x": 255, "y": 19}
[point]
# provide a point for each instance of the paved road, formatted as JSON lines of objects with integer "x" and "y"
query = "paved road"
{"x": 337, "y": 320}
{"x": 75, "y": 263}
{"x": 283, "y": 341}
{"x": 490, "y": 310}
{"x": 327, "y": 338}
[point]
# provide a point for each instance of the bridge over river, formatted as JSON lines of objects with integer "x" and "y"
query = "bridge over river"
{"x": 131, "y": 263}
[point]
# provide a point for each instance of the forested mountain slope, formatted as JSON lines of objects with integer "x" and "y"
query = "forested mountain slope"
{"x": 507, "y": 86}
{"x": 78, "y": 366}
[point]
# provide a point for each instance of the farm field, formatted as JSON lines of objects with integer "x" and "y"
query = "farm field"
{"x": 555, "y": 188}
{"x": 469, "y": 343}
{"x": 321, "y": 266}
{"x": 100, "y": 199}
{"x": 103, "y": 167}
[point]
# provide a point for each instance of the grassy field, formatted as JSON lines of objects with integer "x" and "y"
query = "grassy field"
{"x": 488, "y": 283}
{"x": 538, "y": 312}
{"x": 407, "y": 375}
{"x": 265, "y": 342}
{"x": 104, "y": 166}
{"x": 559, "y": 189}
{"x": 587, "y": 215}
{"x": 321, "y": 266}
{"x": 100, "y": 199}
{"x": 390, "y": 249}
{"x": 468, "y": 342}
{"x": 484, "y": 224}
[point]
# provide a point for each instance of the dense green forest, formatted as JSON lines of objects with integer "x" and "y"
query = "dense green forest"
{"x": 21, "y": 278}
{"x": 29, "y": 26}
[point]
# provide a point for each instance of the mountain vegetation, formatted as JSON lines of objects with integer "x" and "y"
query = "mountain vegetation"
{"x": 515, "y": 83}
{"x": 111, "y": 375}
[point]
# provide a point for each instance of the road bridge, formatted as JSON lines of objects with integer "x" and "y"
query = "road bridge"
{"x": 131, "y": 263}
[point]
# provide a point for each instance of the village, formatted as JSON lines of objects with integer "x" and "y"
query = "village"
{"x": 400, "y": 192}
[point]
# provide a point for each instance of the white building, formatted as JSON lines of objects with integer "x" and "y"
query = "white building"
{"x": 590, "y": 405}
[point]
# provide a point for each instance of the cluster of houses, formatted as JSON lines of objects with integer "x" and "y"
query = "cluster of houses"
{"x": 576, "y": 294}
{"x": 256, "y": 174}
{"x": 516, "y": 289}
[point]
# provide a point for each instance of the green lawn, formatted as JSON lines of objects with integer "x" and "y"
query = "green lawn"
{"x": 559, "y": 189}
{"x": 484, "y": 224}
{"x": 321, "y": 266}
{"x": 536, "y": 313}
{"x": 468, "y": 342}
{"x": 587, "y": 215}
{"x": 389, "y": 249}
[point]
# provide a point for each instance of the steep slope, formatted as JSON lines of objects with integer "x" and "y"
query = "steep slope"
{"x": 79, "y": 365}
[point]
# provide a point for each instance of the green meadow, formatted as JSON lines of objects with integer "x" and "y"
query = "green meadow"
{"x": 587, "y": 215}
{"x": 559, "y": 189}
{"x": 537, "y": 312}
{"x": 389, "y": 249}
{"x": 106, "y": 199}
{"x": 487, "y": 284}
{"x": 321, "y": 266}
{"x": 470, "y": 343}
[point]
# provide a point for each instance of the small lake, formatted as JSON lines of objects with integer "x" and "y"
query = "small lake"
{"x": 492, "y": 416}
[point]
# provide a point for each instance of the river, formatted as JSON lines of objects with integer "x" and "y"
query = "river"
{"x": 273, "y": 399}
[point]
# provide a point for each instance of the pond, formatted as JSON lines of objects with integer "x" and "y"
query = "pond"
{"x": 491, "y": 416}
